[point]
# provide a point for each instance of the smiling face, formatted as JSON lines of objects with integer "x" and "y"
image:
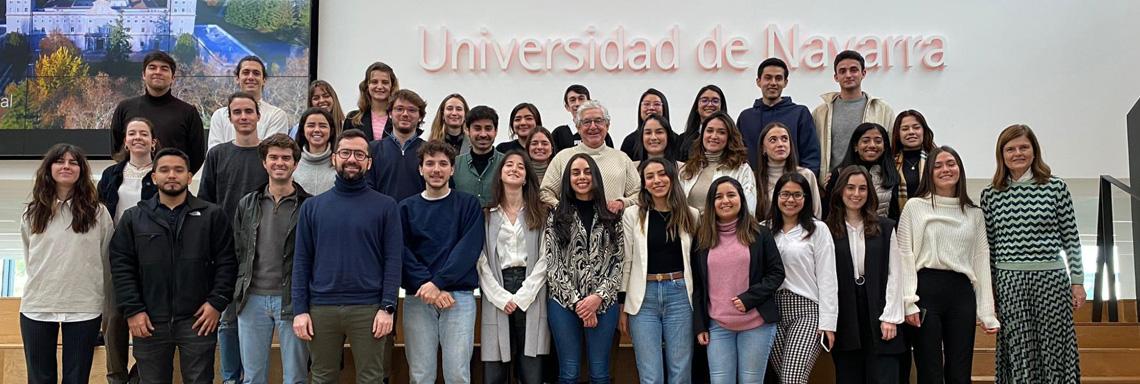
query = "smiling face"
{"x": 138, "y": 138}
{"x": 454, "y": 112}
{"x": 540, "y": 148}
{"x": 244, "y": 116}
{"x": 715, "y": 136}
{"x": 581, "y": 179}
{"x": 408, "y": 116}
{"x": 351, "y": 159}
{"x": 855, "y": 192}
{"x": 870, "y": 145}
{"x": 379, "y": 86}
{"x": 593, "y": 127}
{"x": 1018, "y": 155}
{"x": 171, "y": 174}
{"x": 946, "y": 174}
{"x": 251, "y": 77}
{"x": 849, "y": 74}
{"x": 317, "y": 130}
{"x": 777, "y": 144}
{"x": 65, "y": 170}
{"x": 657, "y": 181}
{"x": 514, "y": 171}
{"x": 650, "y": 105}
{"x": 708, "y": 103}
{"x": 772, "y": 82}
{"x": 791, "y": 199}
{"x": 482, "y": 133}
{"x": 523, "y": 123}
{"x": 321, "y": 99}
{"x": 654, "y": 138}
{"x": 280, "y": 164}
{"x": 726, "y": 202}
{"x": 158, "y": 77}
{"x": 911, "y": 133}
{"x": 436, "y": 169}
{"x": 573, "y": 101}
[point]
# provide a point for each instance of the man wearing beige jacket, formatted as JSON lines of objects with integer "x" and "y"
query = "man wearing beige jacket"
{"x": 839, "y": 114}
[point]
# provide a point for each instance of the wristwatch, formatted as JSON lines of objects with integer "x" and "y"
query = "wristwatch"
{"x": 390, "y": 309}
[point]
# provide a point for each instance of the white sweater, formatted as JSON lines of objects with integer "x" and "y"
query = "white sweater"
{"x": 65, "y": 269}
{"x": 939, "y": 235}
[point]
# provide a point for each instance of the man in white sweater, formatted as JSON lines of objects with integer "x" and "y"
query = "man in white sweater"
{"x": 250, "y": 75}
{"x": 619, "y": 175}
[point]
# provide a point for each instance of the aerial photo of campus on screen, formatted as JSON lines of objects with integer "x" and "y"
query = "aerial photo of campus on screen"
{"x": 66, "y": 63}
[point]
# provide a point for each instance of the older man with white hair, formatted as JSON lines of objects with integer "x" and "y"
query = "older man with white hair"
{"x": 619, "y": 175}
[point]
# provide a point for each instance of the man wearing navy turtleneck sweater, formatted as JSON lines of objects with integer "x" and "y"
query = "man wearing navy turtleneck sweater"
{"x": 176, "y": 123}
{"x": 443, "y": 229}
{"x": 346, "y": 268}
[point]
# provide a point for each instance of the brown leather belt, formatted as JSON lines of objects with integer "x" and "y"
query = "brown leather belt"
{"x": 659, "y": 277}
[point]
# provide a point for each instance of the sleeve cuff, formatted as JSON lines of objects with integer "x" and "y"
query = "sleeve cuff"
{"x": 1077, "y": 278}
{"x": 827, "y": 322}
{"x": 911, "y": 309}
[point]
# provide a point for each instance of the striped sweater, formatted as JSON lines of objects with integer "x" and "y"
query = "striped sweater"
{"x": 1029, "y": 225}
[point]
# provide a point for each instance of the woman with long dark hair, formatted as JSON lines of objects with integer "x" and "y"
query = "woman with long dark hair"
{"x": 657, "y": 312}
{"x": 913, "y": 140}
{"x": 371, "y": 114}
{"x": 778, "y": 157}
{"x": 652, "y": 102}
{"x": 66, "y": 233}
{"x": 540, "y": 148}
{"x": 720, "y": 152}
{"x": 523, "y": 120}
{"x": 1036, "y": 297}
{"x": 945, "y": 255}
{"x": 710, "y": 99}
{"x": 868, "y": 342}
{"x": 808, "y": 298}
{"x": 447, "y": 126}
{"x": 512, "y": 277}
{"x": 584, "y": 248}
{"x": 870, "y": 148}
{"x": 315, "y": 173}
{"x": 737, "y": 270}
{"x": 657, "y": 140}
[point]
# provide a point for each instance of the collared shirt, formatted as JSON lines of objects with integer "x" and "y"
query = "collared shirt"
{"x": 809, "y": 268}
{"x": 856, "y": 240}
{"x": 512, "y": 244}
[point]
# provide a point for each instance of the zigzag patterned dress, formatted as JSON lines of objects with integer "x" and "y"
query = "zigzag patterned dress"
{"x": 1029, "y": 226}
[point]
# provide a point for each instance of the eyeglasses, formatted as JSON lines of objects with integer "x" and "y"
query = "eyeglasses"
{"x": 596, "y": 121}
{"x": 791, "y": 195}
{"x": 344, "y": 154}
{"x": 651, "y": 104}
{"x": 708, "y": 101}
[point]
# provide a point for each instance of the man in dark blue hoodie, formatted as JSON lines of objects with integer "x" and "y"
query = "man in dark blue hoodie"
{"x": 443, "y": 233}
{"x": 346, "y": 268}
{"x": 772, "y": 78}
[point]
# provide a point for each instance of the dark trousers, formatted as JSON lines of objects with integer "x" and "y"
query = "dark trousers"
{"x": 526, "y": 369}
{"x": 944, "y": 348}
{"x": 40, "y": 349}
{"x": 116, "y": 336}
{"x": 154, "y": 355}
{"x": 865, "y": 365}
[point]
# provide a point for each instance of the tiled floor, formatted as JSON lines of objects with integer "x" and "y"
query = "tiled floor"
{"x": 15, "y": 185}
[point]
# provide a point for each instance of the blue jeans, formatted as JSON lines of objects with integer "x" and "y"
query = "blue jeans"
{"x": 567, "y": 330}
{"x": 665, "y": 311}
{"x": 256, "y": 322}
{"x": 739, "y": 354}
{"x": 229, "y": 350}
{"x": 427, "y": 328}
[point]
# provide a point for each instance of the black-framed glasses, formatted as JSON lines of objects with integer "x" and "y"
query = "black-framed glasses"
{"x": 344, "y": 154}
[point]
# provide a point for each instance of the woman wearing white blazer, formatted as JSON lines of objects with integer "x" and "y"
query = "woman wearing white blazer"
{"x": 657, "y": 309}
{"x": 512, "y": 277}
{"x": 720, "y": 152}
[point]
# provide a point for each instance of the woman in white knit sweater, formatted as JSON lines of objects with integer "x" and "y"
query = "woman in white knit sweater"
{"x": 942, "y": 239}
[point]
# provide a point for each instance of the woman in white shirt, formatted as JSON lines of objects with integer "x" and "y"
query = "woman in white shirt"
{"x": 945, "y": 253}
{"x": 868, "y": 344}
{"x": 720, "y": 152}
{"x": 808, "y": 298}
{"x": 65, "y": 233}
{"x": 512, "y": 277}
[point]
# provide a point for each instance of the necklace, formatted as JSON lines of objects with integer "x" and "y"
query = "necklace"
{"x": 912, "y": 164}
{"x": 141, "y": 166}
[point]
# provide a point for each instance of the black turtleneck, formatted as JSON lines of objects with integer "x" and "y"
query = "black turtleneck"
{"x": 480, "y": 162}
{"x": 910, "y": 170}
{"x": 585, "y": 212}
{"x": 454, "y": 141}
{"x": 176, "y": 124}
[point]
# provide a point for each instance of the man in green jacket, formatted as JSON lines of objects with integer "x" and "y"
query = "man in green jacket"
{"x": 475, "y": 170}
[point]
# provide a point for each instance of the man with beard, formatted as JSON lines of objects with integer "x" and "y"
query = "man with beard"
{"x": 474, "y": 171}
{"x": 250, "y": 76}
{"x": 173, "y": 267}
{"x": 395, "y": 166}
{"x": 177, "y": 124}
{"x": 443, "y": 232}
{"x": 773, "y": 106}
{"x": 346, "y": 268}
{"x": 619, "y": 176}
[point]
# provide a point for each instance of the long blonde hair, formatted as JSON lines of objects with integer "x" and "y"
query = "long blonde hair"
{"x": 437, "y": 129}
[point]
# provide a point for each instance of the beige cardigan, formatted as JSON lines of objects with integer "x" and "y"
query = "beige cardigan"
{"x": 877, "y": 111}
{"x": 637, "y": 258}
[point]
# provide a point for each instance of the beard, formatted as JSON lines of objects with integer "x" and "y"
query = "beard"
{"x": 347, "y": 176}
{"x": 172, "y": 191}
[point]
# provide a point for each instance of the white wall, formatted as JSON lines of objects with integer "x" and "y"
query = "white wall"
{"x": 1065, "y": 68}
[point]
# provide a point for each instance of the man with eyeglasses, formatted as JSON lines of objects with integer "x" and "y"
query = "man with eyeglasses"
{"x": 773, "y": 106}
{"x": 346, "y": 268}
{"x": 395, "y": 171}
{"x": 619, "y": 176}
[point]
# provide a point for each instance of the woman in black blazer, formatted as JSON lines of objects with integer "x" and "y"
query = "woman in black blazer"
{"x": 735, "y": 315}
{"x": 378, "y": 86}
{"x": 868, "y": 344}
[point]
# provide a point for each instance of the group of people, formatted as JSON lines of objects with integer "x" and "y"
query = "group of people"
{"x": 733, "y": 246}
